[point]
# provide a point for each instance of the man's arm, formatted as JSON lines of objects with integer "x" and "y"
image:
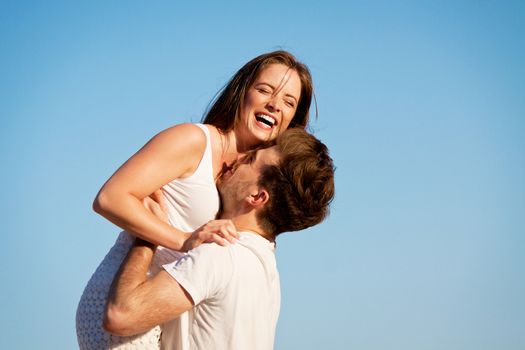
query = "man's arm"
{"x": 136, "y": 303}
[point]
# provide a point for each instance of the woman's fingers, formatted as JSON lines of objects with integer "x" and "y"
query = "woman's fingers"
{"x": 226, "y": 234}
{"x": 219, "y": 240}
{"x": 158, "y": 197}
{"x": 232, "y": 229}
{"x": 219, "y": 231}
{"x": 228, "y": 231}
{"x": 155, "y": 208}
{"x": 148, "y": 203}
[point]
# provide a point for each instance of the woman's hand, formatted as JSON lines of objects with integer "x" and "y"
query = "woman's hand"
{"x": 156, "y": 205}
{"x": 221, "y": 232}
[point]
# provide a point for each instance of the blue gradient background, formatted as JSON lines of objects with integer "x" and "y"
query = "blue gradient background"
{"x": 421, "y": 103}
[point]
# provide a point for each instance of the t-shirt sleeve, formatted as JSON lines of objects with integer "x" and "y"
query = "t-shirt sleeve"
{"x": 204, "y": 272}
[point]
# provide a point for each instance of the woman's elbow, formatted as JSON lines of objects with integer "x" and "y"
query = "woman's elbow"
{"x": 102, "y": 202}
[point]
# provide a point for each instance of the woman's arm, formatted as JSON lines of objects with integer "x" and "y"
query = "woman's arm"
{"x": 173, "y": 153}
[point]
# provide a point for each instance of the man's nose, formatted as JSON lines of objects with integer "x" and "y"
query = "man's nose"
{"x": 241, "y": 159}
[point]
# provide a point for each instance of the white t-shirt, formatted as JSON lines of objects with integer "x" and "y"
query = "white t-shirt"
{"x": 236, "y": 292}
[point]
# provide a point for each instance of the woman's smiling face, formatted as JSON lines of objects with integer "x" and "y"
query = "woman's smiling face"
{"x": 269, "y": 104}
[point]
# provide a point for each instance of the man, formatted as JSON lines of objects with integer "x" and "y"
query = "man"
{"x": 233, "y": 291}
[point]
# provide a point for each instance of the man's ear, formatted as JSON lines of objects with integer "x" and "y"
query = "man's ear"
{"x": 258, "y": 198}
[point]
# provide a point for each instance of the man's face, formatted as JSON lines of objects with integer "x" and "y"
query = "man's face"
{"x": 241, "y": 180}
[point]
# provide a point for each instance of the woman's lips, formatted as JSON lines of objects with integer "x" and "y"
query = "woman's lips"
{"x": 265, "y": 121}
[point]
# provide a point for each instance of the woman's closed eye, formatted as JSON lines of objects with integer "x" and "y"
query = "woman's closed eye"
{"x": 290, "y": 103}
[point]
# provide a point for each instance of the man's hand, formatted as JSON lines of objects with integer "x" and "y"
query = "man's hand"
{"x": 221, "y": 232}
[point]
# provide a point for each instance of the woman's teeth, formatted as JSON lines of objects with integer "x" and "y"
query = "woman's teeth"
{"x": 266, "y": 119}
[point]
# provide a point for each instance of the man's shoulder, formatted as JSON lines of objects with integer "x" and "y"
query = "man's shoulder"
{"x": 249, "y": 243}
{"x": 255, "y": 241}
{"x": 211, "y": 251}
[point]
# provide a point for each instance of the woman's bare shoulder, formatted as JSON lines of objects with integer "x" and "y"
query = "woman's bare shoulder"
{"x": 188, "y": 132}
{"x": 185, "y": 136}
{"x": 215, "y": 134}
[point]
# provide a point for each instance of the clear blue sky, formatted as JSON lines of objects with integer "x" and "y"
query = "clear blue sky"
{"x": 422, "y": 104}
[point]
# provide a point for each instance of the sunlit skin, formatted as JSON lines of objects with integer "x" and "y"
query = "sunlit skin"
{"x": 134, "y": 296}
{"x": 239, "y": 181}
{"x": 269, "y": 105}
{"x": 266, "y": 109}
{"x": 176, "y": 153}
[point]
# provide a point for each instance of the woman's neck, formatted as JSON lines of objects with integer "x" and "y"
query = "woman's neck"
{"x": 233, "y": 146}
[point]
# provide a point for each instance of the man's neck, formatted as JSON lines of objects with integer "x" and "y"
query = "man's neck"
{"x": 247, "y": 222}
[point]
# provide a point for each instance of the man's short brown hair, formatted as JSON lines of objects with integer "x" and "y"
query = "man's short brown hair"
{"x": 301, "y": 185}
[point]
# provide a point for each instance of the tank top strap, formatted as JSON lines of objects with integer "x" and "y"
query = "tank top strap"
{"x": 205, "y": 169}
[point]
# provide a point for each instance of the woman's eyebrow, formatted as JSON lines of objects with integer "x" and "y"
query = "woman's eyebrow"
{"x": 273, "y": 88}
{"x": 265, "y": 83}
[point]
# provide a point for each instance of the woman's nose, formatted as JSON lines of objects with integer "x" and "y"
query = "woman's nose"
{"x": 274, "y": 103}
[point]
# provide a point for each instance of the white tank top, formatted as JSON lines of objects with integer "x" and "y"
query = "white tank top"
{"x": 194, "y": 200}
{"x": 191, "y": 202}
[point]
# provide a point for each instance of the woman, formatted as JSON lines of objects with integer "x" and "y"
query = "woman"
{"x": 266, "y": 96}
